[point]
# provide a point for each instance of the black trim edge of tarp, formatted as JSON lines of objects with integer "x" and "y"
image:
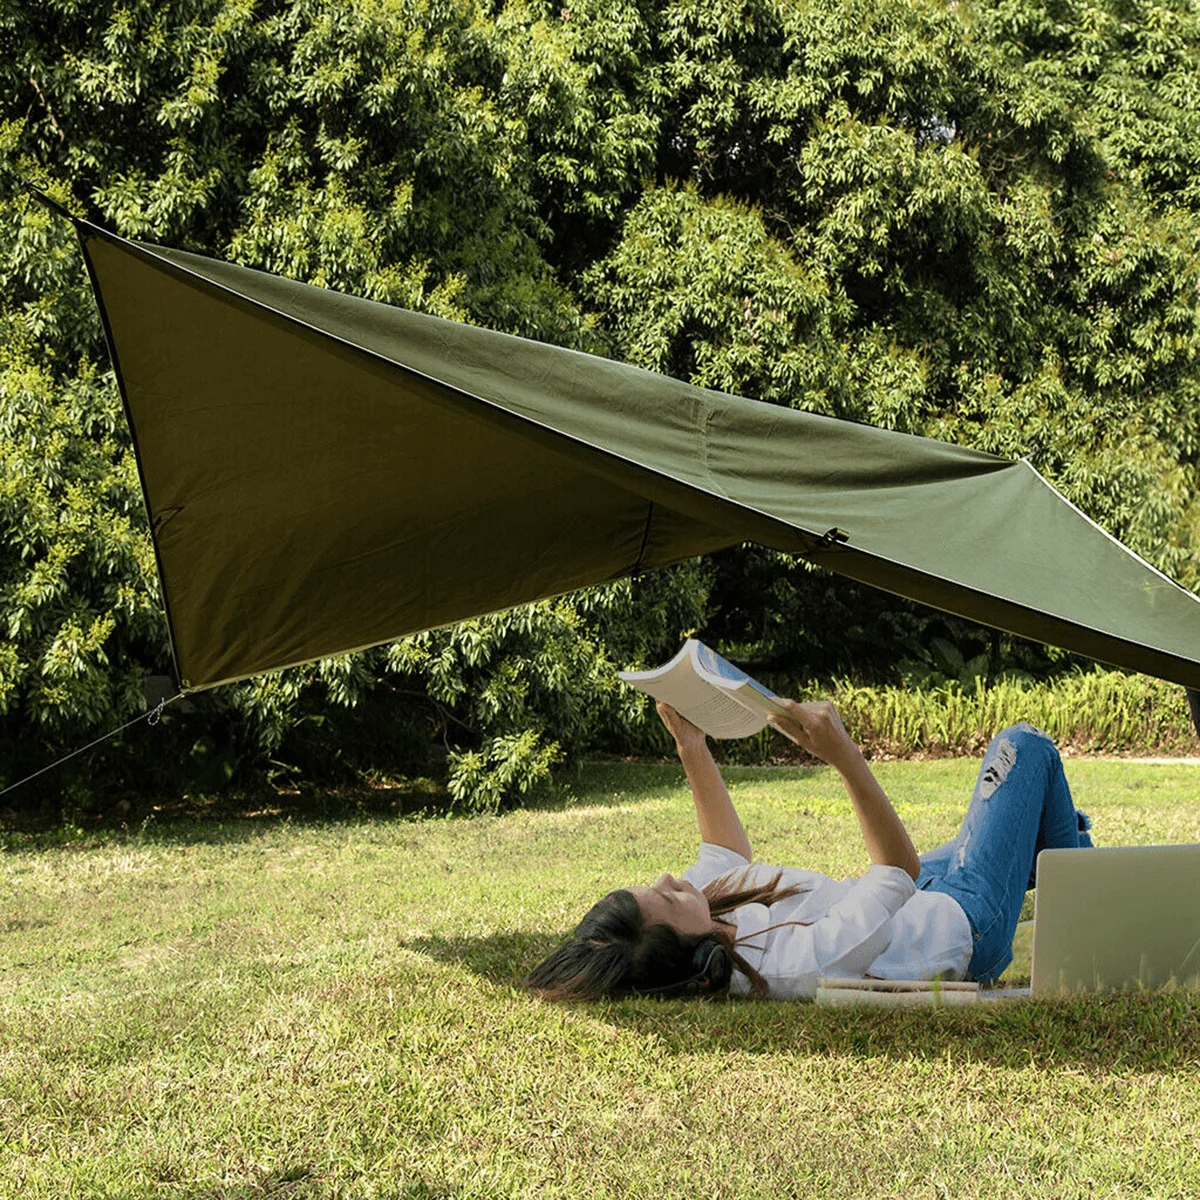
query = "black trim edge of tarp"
{"x": 817, "y": 548}
{"x": 180, "y": 683}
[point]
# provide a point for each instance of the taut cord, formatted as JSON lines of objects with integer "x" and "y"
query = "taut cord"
{"x": 151, "y": 718}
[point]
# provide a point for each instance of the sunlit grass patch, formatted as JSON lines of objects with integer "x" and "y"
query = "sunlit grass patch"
{"x": 330, "y": 1009}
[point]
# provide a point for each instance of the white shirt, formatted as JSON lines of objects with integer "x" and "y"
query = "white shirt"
{"x": 877, "y": 925}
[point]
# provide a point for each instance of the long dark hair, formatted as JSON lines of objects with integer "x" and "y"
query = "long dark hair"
{"x": 613, "y": 952}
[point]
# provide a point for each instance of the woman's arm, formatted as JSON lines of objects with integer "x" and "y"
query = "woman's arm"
{"x": 718, "y": 819}
{"x": 818, "y": 728}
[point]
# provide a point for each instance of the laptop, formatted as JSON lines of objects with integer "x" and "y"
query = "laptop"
{"x": 1116, "y": 918}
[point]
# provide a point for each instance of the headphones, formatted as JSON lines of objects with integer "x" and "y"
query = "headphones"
{"x": 711, "y": 966}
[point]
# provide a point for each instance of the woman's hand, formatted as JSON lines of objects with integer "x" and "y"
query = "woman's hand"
{"x": 687, "y": 736}
{"x": 817, "y": 728}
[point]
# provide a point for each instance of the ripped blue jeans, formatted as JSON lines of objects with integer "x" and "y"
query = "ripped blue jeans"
{"x": 1021, "y": 805}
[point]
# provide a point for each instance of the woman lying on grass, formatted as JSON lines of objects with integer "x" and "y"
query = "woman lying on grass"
{"x": 728, "y": 926}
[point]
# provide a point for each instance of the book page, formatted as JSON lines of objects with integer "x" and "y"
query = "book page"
{"x": 718, "y": 712}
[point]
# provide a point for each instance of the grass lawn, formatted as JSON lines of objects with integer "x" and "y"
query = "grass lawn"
{"x": 327, "y": 1008}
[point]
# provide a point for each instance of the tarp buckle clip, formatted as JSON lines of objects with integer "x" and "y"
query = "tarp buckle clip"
{"x": 831, "y": 538}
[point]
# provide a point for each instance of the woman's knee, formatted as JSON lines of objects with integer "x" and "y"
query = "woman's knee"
{"x": 1017, "y": 744}
{"x": 1029, "y": 738}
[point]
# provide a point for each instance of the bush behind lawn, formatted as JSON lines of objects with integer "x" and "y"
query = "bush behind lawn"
{"x": 329, "y": 1009}
{"x": 1090, "y": 712}
{"x": 1094, "y": 712}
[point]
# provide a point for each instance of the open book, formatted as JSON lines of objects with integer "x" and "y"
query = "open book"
{"x": 710, "y": 691}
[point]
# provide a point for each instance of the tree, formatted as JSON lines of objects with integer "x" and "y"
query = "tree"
{"x": 977, "y": 223}
{"x": 974, "y": 221}
{"x": 384, "y": 149}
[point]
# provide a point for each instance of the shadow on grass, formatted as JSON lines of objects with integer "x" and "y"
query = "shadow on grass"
{"x": 237, "y": 816}
{"x": 1129, "y": 1032}
{"x": 500, "y": 958}
{"x": 240, "y": 816}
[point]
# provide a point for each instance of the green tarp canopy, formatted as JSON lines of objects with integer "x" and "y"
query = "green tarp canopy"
{"x": 324, "y": 473}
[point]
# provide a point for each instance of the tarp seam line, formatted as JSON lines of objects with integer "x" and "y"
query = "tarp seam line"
{"x": 641, "y": 554}
{"x": 171, "y": 266}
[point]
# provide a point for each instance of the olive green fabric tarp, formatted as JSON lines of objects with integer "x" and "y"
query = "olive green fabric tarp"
{"x": 324, "y": 473}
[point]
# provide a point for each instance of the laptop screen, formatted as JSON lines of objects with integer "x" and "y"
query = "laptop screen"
{"x": 1116, "y": 917}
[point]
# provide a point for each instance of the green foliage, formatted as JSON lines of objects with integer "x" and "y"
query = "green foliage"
{"x": 698, "y": 289}
{"x": 400, "y": 151}
{"x": 79, "y": 608}
{"x": 977, "y": 221}
{"x": 1087, "y": 712}
{"x": 974, "y": 222}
